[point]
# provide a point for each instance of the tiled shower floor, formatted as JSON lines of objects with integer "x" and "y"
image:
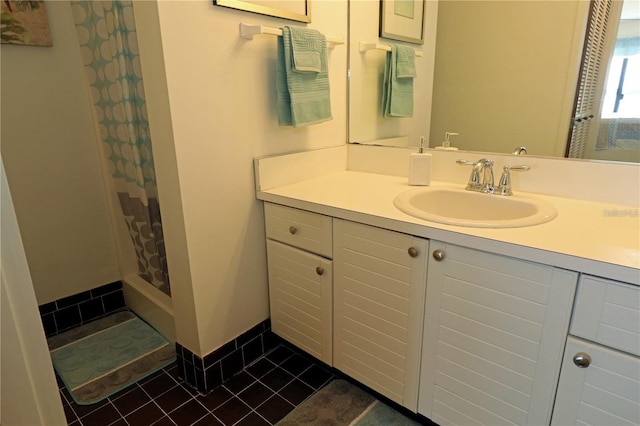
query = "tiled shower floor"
{"x": 262, "y": 394}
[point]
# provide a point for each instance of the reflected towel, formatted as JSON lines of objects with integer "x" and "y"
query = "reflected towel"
{"x": 405, "y": 62}
{"x": 397, "y": 84}
{"x": 303, "y": 98}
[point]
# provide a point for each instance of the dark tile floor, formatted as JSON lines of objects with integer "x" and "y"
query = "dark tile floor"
{"x": 262, "y": 394}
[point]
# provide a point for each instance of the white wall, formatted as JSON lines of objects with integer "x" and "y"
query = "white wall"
{"x": 29, "y": 390}
{"x": 220, "y": 94}
{"x": 52, "y": 164}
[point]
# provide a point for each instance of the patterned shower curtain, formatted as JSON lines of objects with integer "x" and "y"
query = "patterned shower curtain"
{"x": 109, "y": 51}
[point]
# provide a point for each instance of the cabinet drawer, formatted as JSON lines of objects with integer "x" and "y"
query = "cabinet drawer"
{"x": 300, "y": 297}
{"x": 608, "y": 312}
{"x": 305, "y": 230}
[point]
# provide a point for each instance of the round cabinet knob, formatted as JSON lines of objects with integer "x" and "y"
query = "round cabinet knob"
{"x": 293, "y": 229}
{"x": 319, "y": 270}
{"x": 582, "y": 359}
{"x": 439, "y": 255}
{"x": 413, "y": 252}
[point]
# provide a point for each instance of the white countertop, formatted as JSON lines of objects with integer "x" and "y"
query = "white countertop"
{"x": 597, "y": 238}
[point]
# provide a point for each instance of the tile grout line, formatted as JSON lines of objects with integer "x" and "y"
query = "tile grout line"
{"x": 122, "y": 416}
{"x": 255, "y": 380}
{"x": 153, "y": 400}
{"x": 119, "y": 413}
{"x": 216, "y": 417}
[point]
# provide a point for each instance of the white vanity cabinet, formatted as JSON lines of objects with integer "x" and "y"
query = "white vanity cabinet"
{"x": 600, "y": 378}
{"x": 351, "y": 295}
{"x": 299, "y": 247}
{"x": 459, "y": 335}
{"x": 379, "y": 288}
{"x": 495, "y": 329}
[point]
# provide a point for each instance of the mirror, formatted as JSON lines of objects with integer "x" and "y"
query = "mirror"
{"x": 366, "y": 68}
{"x": 295, "y": 10}
{"x": 505, "y": 76}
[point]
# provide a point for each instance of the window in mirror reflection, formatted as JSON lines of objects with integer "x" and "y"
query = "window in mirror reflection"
{"x": 622, "y": 91}
{"x": 606, "y": 121}
{"x": 620, "y": 110}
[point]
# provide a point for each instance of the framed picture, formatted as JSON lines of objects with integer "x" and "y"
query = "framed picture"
{"x": 25, "y": 23}
{"x": 402, "y": 20}
{"x": 294, "y": 10}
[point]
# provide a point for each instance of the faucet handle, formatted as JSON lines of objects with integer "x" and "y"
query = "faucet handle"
{"x": 523, "y": 168}
{"x": 466, "y": 162}
{"x": 504, "y": 186}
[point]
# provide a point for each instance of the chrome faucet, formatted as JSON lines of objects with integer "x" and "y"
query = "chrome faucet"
{"x": 481, "y": 179}
{"x": 504, "y": 185}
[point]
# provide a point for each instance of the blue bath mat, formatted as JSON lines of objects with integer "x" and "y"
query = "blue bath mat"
{"x": 380, "y": 414}
{"x": 102, "y": 357}
{"x": 342, "y": 403}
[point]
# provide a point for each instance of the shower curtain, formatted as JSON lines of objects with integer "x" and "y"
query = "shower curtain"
{"x": 109, "y": 51}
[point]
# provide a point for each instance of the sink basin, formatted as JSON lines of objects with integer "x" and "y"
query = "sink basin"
{"x": 467, "y": 208}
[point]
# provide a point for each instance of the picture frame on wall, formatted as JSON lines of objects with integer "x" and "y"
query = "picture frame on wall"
{"x": 294, "y": 10}
{"x": 25, "y": 23}
{"x": 402, "y": 20}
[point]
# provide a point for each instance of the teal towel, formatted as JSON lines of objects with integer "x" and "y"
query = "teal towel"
{"x": 306, "y": 49}
{"x": 397, "y": 84}
{"x": 405, "y": 62}
{"x": 303, "y": 98}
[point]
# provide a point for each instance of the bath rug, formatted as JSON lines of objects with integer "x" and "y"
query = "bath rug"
{"x": 102, "y": 357}
{"x": 341, "y": 403}
{"x": 379, "y": 414}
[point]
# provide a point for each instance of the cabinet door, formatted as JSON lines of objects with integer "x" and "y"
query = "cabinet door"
{"x": 379, "y": 284}
{"x": 606, "y": 392}
{"x": 300, "y": 296}
{"x": 495, "y": 328}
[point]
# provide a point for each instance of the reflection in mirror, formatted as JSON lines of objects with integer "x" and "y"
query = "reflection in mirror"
{"x": 606, "y": 118}
{"x": 366, "y": 123}
{"x": 505, "y": 74}
{"x": 505, "y": 77}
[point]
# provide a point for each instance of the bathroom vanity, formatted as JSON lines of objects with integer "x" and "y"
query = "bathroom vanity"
{"x": 528, "y": 325}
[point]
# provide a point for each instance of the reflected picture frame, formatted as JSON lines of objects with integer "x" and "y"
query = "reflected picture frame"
{"x": 294, "y": 10}
{"x": 402, "y": 20}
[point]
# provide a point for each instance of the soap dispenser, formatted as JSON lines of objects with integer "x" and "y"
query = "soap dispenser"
{"x": 446, "y": 144}
{"x": 420, "y": 166}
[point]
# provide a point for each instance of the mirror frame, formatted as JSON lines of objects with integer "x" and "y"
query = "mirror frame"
{"x": 248, "y": 6}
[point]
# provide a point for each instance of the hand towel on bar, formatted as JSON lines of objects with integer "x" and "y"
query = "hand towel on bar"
{"x": 405, "y": 62}
{"x": 303, "y": 98}
{"x": 306, "y": 49}
{"x": 397, "y": 85}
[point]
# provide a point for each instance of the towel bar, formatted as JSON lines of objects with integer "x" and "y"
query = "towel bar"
{"x": 366, "y": 46}
{"x": 248, "y": 31}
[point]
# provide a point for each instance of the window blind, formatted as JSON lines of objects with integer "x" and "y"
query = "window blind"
{"x": 589, "y": 87}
